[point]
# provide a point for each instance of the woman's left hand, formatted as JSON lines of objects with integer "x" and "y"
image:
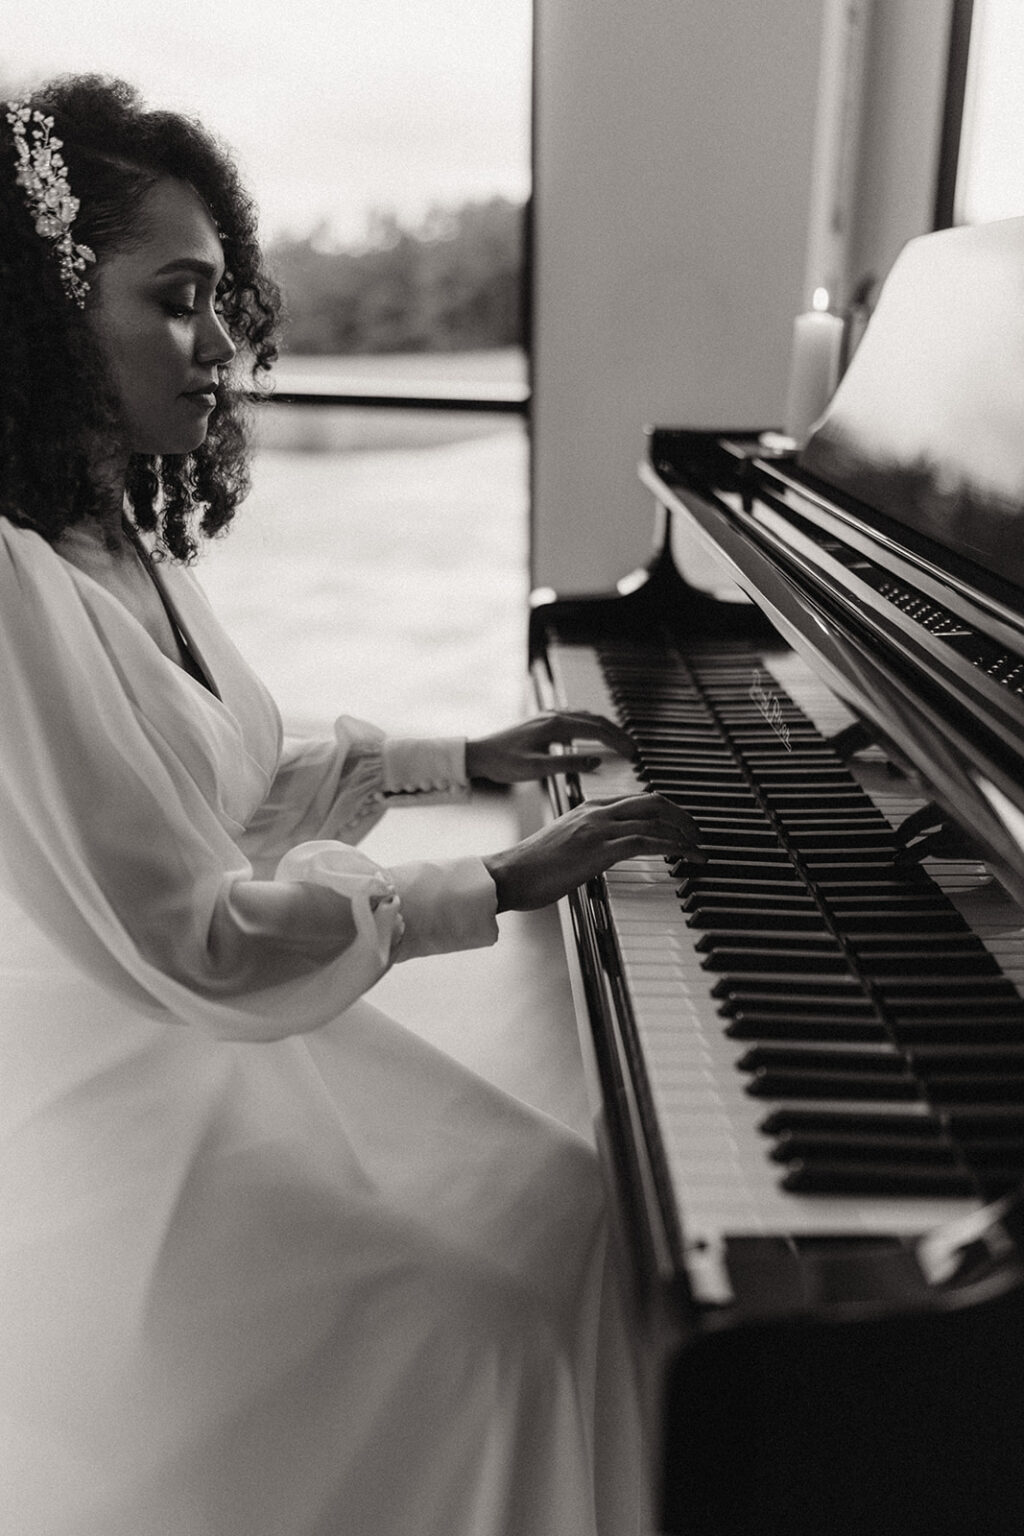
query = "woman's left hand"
{"x": 521, "y": 752}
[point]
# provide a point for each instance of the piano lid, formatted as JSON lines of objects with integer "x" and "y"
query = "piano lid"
{"x": 928, "y": 422}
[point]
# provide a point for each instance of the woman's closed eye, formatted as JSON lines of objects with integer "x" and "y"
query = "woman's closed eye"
{"x": 183, "y": 306}
{"x": 178, "y": 300}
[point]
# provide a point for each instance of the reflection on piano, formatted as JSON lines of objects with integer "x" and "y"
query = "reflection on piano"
{"x": 810, "y": 1050}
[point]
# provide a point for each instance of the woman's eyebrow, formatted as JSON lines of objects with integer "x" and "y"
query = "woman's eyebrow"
{"x": 207, "y": 269}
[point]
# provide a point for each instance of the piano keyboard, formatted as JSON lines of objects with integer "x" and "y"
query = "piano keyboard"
{"x": 830, "y": 1045}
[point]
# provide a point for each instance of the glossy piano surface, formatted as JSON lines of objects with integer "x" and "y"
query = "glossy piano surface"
{"x": 811, "y": 1049}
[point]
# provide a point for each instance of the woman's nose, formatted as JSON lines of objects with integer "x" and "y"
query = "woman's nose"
{"x": 215, "y": 345}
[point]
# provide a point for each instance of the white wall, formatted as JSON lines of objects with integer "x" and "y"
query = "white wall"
{"x": 672, "y": 180}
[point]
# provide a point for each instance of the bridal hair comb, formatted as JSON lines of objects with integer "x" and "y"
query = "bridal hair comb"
{"x": 42, "y": 175}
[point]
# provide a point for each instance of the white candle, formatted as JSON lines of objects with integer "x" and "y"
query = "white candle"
{"x": 814, "y": 367}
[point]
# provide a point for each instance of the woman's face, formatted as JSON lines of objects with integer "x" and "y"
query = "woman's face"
{"x": 156, "y": 319}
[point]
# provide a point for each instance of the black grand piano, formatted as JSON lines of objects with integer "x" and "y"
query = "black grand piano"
{"x": 809, "y": 1052}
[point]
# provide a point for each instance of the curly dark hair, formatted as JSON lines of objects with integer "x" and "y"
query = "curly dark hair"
{"x": 58, "y": 410}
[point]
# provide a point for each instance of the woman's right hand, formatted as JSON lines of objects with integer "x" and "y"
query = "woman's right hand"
{"x": 586, "y": 841}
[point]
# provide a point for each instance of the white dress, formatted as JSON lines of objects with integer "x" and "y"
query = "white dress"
{"x": 270, "y": 1265}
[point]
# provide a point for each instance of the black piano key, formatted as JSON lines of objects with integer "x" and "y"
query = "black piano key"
{"x": 676, "y": 727}
{"x": 816, "y": 1056}
{"x": 710, "y": 800}
{"x": 831, "y": 990}
{"x": 675, "y": 703}
{"x": 697, "y": 778}
{"x": 823, "y": 818}
{"x": 968, "y": 1122}
{"x": 734, "y": 919}
{"x": 840, "y": 799}
{"x": 930, "y": 959}
{"x": 863, "y": 868}
{"x": 805, "y": 767}
{"x": 735, "y": 810}
{"x": 891, "y": 892}
{"x": 733, "y": 888}
{"x": 861, "y": 927}
{"x": 899, "y": 918}
{"x": 850, "y": 874}
{"x": 850, "y": 1006}
{"x": 724, "y": 818}
{"x": 975, "y": 1087}
{"x": 916, "y": 934}
{"x": 760, "y": 874}
{"x": 765, "y": 864}
{"x": 735, "y": 960}
{"x": 806, "y": 756}
{"x": 781, "y": 781}
{"x": 794, "y": 1146}
{"x": 741, "y": 899}
{"x": 730, "y": 840}
{"x": 980, "y": 1028}
{"x": 910, "y": 1119}
{"x": 718, "y": 940}
{"x": 675, "y": 738}
{"x": 855, "y": 818}
{"x": 738, "y": 705}
{"x": 737, "y": 827}
{"x": 826, "y": 1177}
{"x": 840, "y": 840}
{"x": 747, "y": 735}
{"x": 788, "y": 1024}
{"x": 994, "y": 1152}
{"x": 909, "y": 1011}
{"x": 738, "y": 853}
{"x": 911, "y": 991}
{"x": 795, "y": 1083}
{"x": 706, "y": 759}
{"x": 1008, "y": 1056}
{"x": 653, "y": 767}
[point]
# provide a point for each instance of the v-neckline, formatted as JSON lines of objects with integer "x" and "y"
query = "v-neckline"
{"x": 196, "y": 668}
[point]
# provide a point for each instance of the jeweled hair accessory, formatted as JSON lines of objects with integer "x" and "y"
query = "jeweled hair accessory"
{"x": 42, "y": 175}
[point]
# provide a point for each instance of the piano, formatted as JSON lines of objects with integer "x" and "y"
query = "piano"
{"x": 807, "y": 1054}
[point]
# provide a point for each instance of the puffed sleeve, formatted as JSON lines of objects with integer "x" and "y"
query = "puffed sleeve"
{"x": 118, "y": 836}
{"x": 437, "y": 906}
{"x": 340, "y": 788}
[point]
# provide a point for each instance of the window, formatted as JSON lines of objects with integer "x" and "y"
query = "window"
{"x": 990, "y": 177}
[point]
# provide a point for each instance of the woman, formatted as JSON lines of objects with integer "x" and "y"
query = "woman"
{"x": 268, "y": 1263}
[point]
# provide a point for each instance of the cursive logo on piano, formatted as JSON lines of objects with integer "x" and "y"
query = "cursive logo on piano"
{"x": 770, "y": 705}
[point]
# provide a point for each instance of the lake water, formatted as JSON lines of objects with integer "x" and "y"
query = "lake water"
{"x": 379, "y": 567}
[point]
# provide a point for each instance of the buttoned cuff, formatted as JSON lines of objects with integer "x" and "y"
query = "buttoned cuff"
{"x": 424, "y": 771}
{"x": 448, "y": 905}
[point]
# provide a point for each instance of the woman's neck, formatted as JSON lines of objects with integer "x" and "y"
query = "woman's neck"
{"x": 108, "y": 522}
{"x": 98, "y": 539}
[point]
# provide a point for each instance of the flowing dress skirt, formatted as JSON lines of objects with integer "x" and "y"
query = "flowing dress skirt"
{"x": 333, "y": 1285}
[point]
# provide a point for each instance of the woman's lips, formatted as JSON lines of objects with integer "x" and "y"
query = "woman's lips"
{"x": 205, "y": 399}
